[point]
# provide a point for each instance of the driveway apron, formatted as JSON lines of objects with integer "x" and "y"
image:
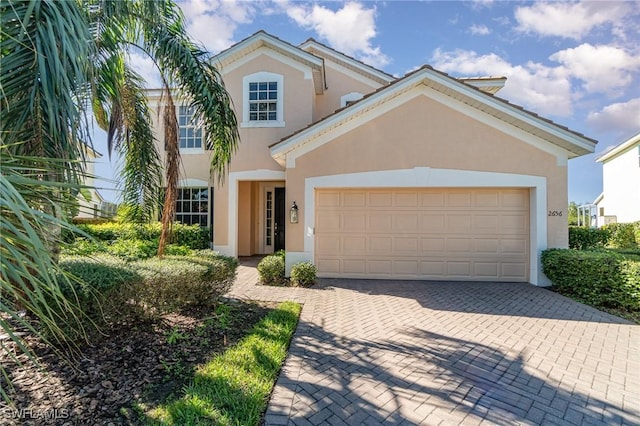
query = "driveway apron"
{"x": 420, "y": 352}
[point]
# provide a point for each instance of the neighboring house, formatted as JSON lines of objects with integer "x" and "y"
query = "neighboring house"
{"x": 89, "y": 199}
{"x": 620, "y": 198}
{"x": 420, "y": 177}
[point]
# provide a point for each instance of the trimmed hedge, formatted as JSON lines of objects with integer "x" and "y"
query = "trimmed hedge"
{"x": 582, "y": 238}
{"x": 112, "y": 291}
{"x": 192, "y": 236}
{"x": 622, "y": 235}
{"x": 599, "y": 278}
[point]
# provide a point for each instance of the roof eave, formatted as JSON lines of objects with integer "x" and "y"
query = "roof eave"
{"x": 617, "y": 150}
{"x": 574, "y": 144}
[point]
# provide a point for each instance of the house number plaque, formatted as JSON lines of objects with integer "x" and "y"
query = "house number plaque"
{"x": 555, "y": 213}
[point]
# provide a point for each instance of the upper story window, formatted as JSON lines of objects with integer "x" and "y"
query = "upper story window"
{"x": 190, "y": 131}
{"x": 263, "y": 100}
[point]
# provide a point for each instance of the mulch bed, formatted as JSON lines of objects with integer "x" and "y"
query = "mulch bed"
{"x": 144, "y": 364}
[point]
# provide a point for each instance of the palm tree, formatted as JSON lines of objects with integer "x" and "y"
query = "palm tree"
{"x": 61, "y": 60}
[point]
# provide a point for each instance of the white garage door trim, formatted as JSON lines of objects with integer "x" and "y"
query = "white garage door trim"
{"x": 426, "y": 177}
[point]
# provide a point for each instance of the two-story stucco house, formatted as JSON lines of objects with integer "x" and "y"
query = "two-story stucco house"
{"x": 620, "y": 198}
{"x": 420, "y": 177}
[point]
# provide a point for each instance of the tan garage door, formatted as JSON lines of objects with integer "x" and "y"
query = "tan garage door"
{"x": 448, "y": 234}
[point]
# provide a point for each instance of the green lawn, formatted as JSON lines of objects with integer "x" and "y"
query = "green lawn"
{"x": 234, "y": 387}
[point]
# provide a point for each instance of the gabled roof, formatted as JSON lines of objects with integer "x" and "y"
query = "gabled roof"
{"x": 263, "y": 39}
{"x": 575, "y": 143}
{"x": 619, "y": 149}
{"x": 486, "y": 84}
{"x": 324, "y": 51}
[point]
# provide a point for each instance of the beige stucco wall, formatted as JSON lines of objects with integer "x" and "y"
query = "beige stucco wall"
{"x": 424, "y": 133}
{"x": 339, "y": 83}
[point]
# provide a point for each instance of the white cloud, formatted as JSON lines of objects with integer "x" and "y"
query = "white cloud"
{"x": 146, "y": 68}
{"x": 602, "y": 68}
{"x": 213, "y": 22}
{"x": 620, "y": 118}
{"x": 544, "y": 90}
{"x": 348, "y": 30}
{"x": 570, "y": 19}
{"x": 479, "y": 30}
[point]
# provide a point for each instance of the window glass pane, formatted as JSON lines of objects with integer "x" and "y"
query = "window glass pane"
{"x": 253, "y": 116}
{"x": 273, "y": 95}
{"x": 262, "y": 86}
{"x": 273, "y": 85}
{"x": 272, "y": 116}
{"x": 253, "y": 86}
{"x": 253, "y": 96}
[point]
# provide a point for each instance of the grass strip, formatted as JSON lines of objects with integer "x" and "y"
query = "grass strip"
{"x": 234, "y": 387}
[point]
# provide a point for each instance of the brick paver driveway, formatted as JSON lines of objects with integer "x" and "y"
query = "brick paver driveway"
{"x": 394, "y": 352}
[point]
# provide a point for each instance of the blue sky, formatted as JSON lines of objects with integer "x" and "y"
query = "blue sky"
{"x": 577, "y": 63}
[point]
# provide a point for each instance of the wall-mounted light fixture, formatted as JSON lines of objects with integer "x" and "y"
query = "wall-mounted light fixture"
{"x": 293, "y": 213}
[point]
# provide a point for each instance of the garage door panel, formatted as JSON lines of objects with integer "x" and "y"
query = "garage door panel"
{"x": 406, "y": 244}
{"x": 409, "y": 199}
{"x": 405, "y": 223}
{"x": 432, "y": 223}
{"x": 379, "y": 267}
{"x": 432, "y": 199}
{"x": 355, "y": 199}
{"x": 380, "y": 244}
{"x": 354, "y": 266}
{"x": 432, "y": 245}
{"x": 458, "y": 224}
{"x": 450, "y": 234}
{"x": 354, "y": 245}
{"x": 486, "y": 269}
{"x": 516, "y": 246}
{"x": 459, "y": 245}
{"x": 354, "y": 222}
{"x": 381, "y": 222}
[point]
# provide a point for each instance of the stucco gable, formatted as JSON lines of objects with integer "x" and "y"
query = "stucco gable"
{"x": 448, "y": 90}
{"x": 378, "y": 77}
{"x": 240, "y": 51}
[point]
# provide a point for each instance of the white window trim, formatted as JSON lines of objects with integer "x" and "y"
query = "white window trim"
{"x": 261, "y": 77}
{"x": 189, "y": 151}
{"x": 350, "y": 97}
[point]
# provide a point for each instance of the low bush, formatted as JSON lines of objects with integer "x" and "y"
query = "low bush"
{"x": 112, "y": 291}
{"x": 176, "y": 282}
{"x": 621, "y": 235}
{"x": 600, "y": 278}
{"x": 192, "y": 236}
{"x": 271, "y": 270}
{"x": 303, "y": 274}
{"x": 103, "y": 285}
{"x": 582, "y": 238}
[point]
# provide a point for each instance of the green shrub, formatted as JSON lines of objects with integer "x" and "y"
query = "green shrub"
{"x": 84, "y": 247}
{"x": 112, "y": 291}
{"x": 175, "y": 282}
{"x": 303, "y": 274}
{"x": 621, "y": 235}
{"x": 271, "y": 270}
{"x": 104, "y": 287}
{"x": 600, "y": 278}
{"x": 133, "y": 249}
{"x": 192, "y": 236}
{"x": 582, "y": 238}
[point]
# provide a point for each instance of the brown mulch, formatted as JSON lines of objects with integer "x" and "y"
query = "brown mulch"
{"x": 136, "y": 365}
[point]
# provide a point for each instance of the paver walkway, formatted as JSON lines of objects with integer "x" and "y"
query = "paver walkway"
{"x": 406, "y": 352}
